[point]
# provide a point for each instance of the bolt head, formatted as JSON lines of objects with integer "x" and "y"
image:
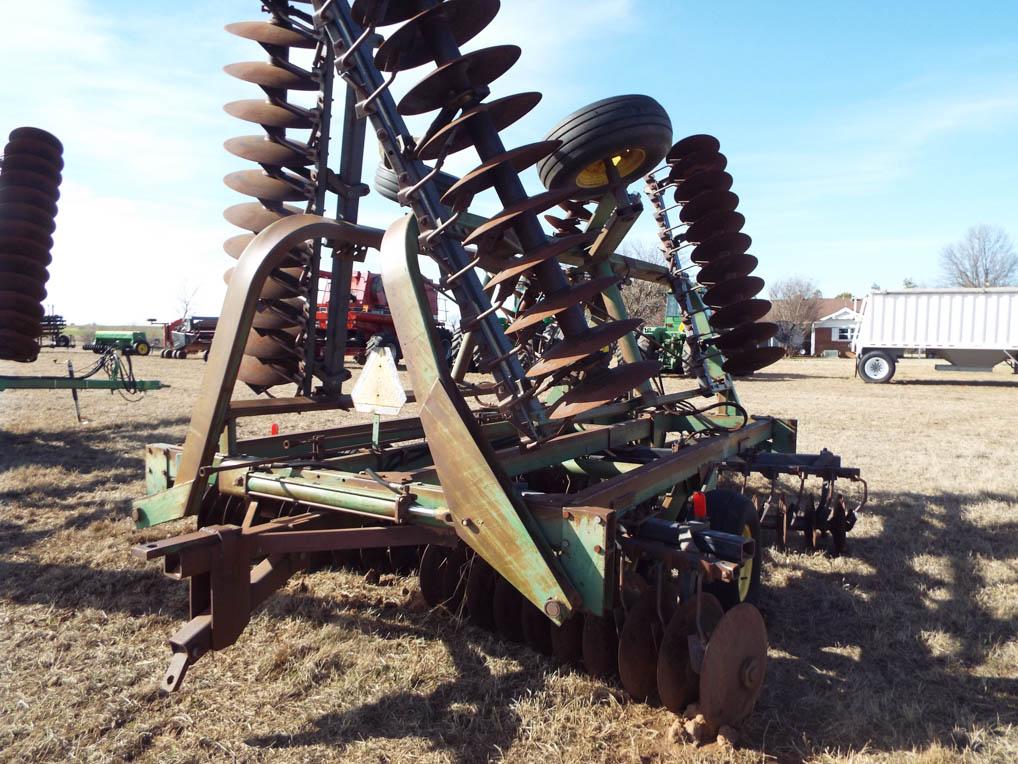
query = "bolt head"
{"x": 553, "y": 608}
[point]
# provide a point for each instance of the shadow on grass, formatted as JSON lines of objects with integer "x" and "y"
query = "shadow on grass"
{"x": 895, "y": 657}
{"x": 1013, "y": 384}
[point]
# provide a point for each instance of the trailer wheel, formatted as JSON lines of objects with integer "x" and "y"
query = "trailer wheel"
{"x": 633, "y": 132}
{"x": 732, "y": 512}
{"x": 142, "y": 348}
{"x": 877, "y": 367}
{"x": 63, "y": 341}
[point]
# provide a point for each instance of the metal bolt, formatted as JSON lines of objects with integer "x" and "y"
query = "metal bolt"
{"x": 553, "y": 608}
{"x": 598, "y": 549}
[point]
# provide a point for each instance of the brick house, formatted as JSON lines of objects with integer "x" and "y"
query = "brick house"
{"x": 832, "y": 331}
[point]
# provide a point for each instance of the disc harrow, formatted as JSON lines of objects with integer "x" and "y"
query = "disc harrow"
{"x": 573, "y": 507}
{"x": 29, "y": 188}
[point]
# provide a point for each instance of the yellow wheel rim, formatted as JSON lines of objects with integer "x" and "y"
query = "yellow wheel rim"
{"x": 626, "y": 162}
{"x": 746, "y": 571}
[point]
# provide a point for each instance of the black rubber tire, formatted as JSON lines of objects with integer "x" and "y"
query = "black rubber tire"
{"x": 141, "y": 348}
{"x": 877, "y": 356}
{"x": 387, "y": 184}
{"x": 732, "y": 512}
{"x": 604, "y": 129}
{"x": 63, "y": 341}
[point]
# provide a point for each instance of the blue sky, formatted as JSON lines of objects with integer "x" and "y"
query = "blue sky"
{"x": 862, "y": 136}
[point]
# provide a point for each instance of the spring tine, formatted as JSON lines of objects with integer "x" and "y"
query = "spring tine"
{"x": 561, "y": 301}
{"x": 344, "y": 59}
{"x": 469, "y": 267}
{"x": 556, "y": 247}
{"x": 363, "y": 107}
{"x": 427, "y": 237}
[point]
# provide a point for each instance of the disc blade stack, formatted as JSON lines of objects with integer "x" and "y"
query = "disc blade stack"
{"x": 29, "y": 188}
{"x": 282, "y": 184}
{"x": 713, "y": 230}
{"x": 454, "y": 94}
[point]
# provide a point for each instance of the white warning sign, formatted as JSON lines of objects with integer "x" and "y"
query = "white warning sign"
{"x": 378, "y": 390}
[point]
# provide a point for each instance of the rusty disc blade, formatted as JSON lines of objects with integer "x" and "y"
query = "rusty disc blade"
{"x": 690, "y": 144}
{"x": 382, "y": 13}
{"x": 561, "y": 225}
{"x": 523, "y": 264}
{"x": 567, "y": 641}
{"x": 18, "y": 323}
{"x": 706, "y": 202}
{"x": 34, "y": 243}
{"x": 282, "y": 284}
{"x": 261, "y": 375}
{"x": 713, "y": 180}
{"x": 455, "y": 81}
{"x": 604, "y": 388}
{"x": 496, "y": 225}
{"x": 730, "y": 266}
{"x": 502, "y": 111}
{"x": 556, "y": 303}
{"x": 268, "y": 33}
{"x": 507, "y": 604}
{"x": 728, "y": 243}
{"x": 27, "y": 213}
{"x": 25, "y": 266}
{"x": 17, "y": 347}
{"x": 28, "y": 286}
{"x": 600, "y": 645}
{"x": 404, "y": 559}
{"x": 739, "y": 364}
{"x": 713, "y": 224}
{"x": 678, "y": 684}
{"x": 733, "y": 290}
{"x": 740, "y": 313}
{"x": 409, "y": 45}
{"x": 37, "y": 134}
{"x": 272, "y": 76}
{"x": 278, "y": 314}
{"x": 272, "y": 344}
{"x": 25, "y": 195}
{"x": 431, "y": 572}
{"x": 264, "y": 150}
{"x": 575, "y": 209}
{"x": 536, "y": 629}
{"x": 270, "y": 115}
{"x": 697, "y": 162}
{"x": 235, "y": 246}
{"x": 746, "y": 335}
{"x": 31, "y": 147}
{"x": 256, "y": 183}
{"x": 375, "y": 559}
{"x": 255, "y": 217}
{"x": 734, "y": 665}
{"x": 638, "y": 644}
{"x": 31, "y": 163}
{"x": 579, "y": 346}
{"x": 482, "y": 177}
{"x": 480, "y": 594}
{"x": 454, "y": 577}
{"x": 46, "y": 184}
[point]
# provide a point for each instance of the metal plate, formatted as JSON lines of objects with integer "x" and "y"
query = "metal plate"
{"x": 267, "y": 33}
{"x": 255, "y": 217}
{"x": 18, "y": 323}
{"x": 733, "y": 290}
{"x": 502, "y": 112}
{"x": 47, "y": 184}
{"x": 25, "y": 266}
{"x": 259, "y": 375}
{"x": 256, "y": 183}
{"x": 579, "y": 346}
{"x": 507, "y": 604}
{"x": 729, "y": 266}
{"x": 271, "y": 76}
{"x": 18, "y": 347}
{"x": 278, "y": 314}
{"x": 14, "y": 160}
{"x": 710, "y": 225}
{"x": 482, "y": 177}
{"x": 409, "y": 46}
{"x": 678, "y": 684}
{"x": 638, "y": 646}
{"x": 36, "y": 134}
{"x": 447, "y": 85}
{"x": 25, "y": 240}
{"x": 30, "y": 287}
{"x": 711, "y": 180}
{"x": 734, "y": 666}
{"x": 690, "y": 144}
{"x": 31, "y": 147}
{"x": 754, "y": 359}
{"x": 27, "y": 213}
{"x": 272, "y": 344}
{"x": 556, "y": 303}
{"x": 604, "y": 388}
{"x": 706, "y": 202}
{"x": 600, "y": 643}
{"x": 746, "y": 335}
{"x": 521, "y": 265}
{"x": 740, "y": 313}
{"x": 264, "y": 150}
{"x": 697, "y": 161}
{"x": 24, "y": 195}
{"x": 727, "y": 243}
{"x": 269, "y": 114}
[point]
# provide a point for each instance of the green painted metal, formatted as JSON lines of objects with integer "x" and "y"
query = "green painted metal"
{"x": 160, "y": 507}
{"x": 69, "y": 383}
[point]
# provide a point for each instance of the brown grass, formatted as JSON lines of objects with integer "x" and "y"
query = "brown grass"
{"x": 907, "y": 649}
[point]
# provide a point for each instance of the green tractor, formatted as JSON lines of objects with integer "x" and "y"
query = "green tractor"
{"x": 134, "y": 343}
{"x": 667, "y": 344}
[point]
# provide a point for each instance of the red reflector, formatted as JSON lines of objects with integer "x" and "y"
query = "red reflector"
{"x": 274, "y": 429}
{"x": 699, "y": 505}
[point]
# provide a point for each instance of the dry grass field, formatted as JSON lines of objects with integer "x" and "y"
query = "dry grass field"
{"x": 907, "y": 648}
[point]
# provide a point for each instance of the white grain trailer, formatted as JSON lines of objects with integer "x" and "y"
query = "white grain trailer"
{"x": 971, "y": 329}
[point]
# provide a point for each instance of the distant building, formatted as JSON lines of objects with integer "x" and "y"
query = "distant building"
{"x": 834, "y": 329}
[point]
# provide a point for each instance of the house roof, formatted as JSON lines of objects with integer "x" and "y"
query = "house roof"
{"x": 828, "y": 306}
{"x": 842, "y": 314}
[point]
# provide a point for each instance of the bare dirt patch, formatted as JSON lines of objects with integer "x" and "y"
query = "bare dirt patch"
{"x": 908, "y": 648}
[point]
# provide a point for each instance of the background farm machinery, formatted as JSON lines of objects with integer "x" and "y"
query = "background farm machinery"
{"x": 189, "y": 335}
{"x": 563, "y": 498}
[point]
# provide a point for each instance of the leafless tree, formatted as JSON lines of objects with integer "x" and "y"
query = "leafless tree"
{"x": 185, "y": 297}
{"x": 796, "y": 307}
{"x": 645, "y": 299}
{"x": 984, "y": 258}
